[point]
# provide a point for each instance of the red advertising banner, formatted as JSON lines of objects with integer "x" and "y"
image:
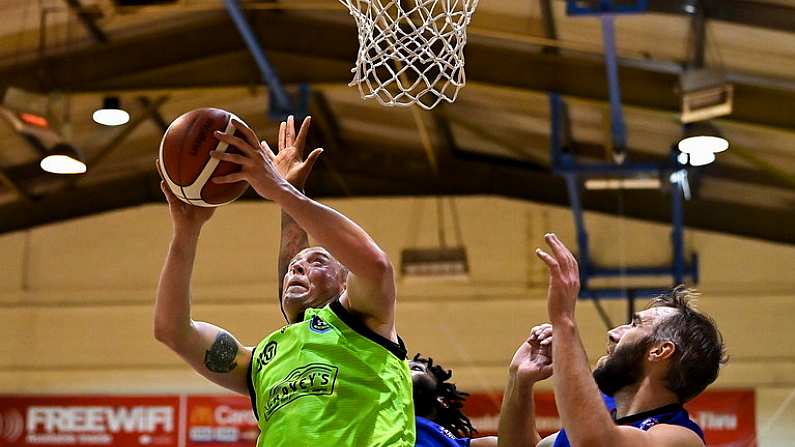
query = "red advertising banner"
{"x": 483, "y": 409}
{"x": 728, "y": 418}
{"x": 221, "y": 421}
{"x": 57, "y": 421}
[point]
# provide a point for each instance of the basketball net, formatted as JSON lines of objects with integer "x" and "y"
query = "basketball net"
{"x": 410, "y": 51}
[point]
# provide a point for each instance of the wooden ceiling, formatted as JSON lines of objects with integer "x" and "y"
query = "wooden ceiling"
{"x": 493, "y": 140}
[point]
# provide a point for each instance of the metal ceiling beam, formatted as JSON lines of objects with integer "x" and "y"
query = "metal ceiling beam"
{"x": 11, "y": 185}
{"x": 278, "y": 95}
{"x": 402, "y": 171}
{"x": 154, "y": 113}
{"x": 26, "y": 175}
{"x": 521, "y": 149}
{"x": 744, "y": 12}
{"x": 161, "y": 60}
{"x": 548, "y": 21}
{"x": 697, "y": 38}
{"x": 88, "y": 21}
{"x": 324, "y": 120}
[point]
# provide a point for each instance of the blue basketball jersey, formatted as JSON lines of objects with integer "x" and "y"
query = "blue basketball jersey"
{"x": 673, "y": 414}
{"x": 431, "y": 434}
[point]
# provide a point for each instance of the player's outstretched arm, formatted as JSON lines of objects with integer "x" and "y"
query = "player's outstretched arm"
{"x": 531, "y": 363}
{"x": 290, "y": 164}
{"x": 371, "y": 287}
{"x": 485, "y": 441}
{"x": 208, "y": 349}
{"x": 582, "y": 412}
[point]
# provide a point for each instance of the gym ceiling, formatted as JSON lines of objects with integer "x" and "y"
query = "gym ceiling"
{"x": 171, "y": 57}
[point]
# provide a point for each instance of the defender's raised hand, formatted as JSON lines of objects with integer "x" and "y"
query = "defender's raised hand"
{"x": 289, "y": 161}
{"x": 256, "y": 159}
{"x": 533, "y": 360}
{"x": 564, "y": 279}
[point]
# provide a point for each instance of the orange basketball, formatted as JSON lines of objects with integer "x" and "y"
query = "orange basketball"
{"x": 185, "y": 160}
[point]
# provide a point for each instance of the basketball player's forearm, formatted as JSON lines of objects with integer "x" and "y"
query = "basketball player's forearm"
{"x": 582, "y": 412}
{"x": 293, "y": 240}
{"x": 172, "y": 305}
{"x": 343, "y": 238}
{"x": 517, "y": 426}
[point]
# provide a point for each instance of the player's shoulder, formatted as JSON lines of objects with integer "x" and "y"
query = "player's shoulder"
{"x": 429, "y": 433}
{"x": 675, "y": 435}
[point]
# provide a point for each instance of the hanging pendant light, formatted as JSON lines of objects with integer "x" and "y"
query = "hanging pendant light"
{"x": 111, "y": 113}
{"x": 63, "y": 159}
{"x": 701, "y": 141}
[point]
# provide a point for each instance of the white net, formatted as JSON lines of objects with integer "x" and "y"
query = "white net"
{"x": 410, "y": 51}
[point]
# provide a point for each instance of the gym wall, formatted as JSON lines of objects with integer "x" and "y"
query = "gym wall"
{"x": 76, "y": 298}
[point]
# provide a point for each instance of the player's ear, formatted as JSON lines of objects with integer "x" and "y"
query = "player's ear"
{"x": 342, "y": 275}
{"x": 662, "y": 351}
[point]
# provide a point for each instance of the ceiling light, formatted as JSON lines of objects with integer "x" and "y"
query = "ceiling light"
{"x": 448, "y": 262}
{"x": 623, "y": 183}
{"x": 682, "y": 158}
{"x": 710, "y": 144}
{"x": 111, "y": 113}
{"x": 34, "y": 120}
{"x": 701, "y": 158}
{"x": 702, "y": 137}
{"x": 63, "y": 159}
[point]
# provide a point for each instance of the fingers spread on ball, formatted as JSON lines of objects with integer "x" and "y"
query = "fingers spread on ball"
{"x": 231, "y": 178}
{"x": 233, "y": 158}
{"x": 237, "y": 142}
{"x": 247, "y": 133}
{"x": 266, "y": 151}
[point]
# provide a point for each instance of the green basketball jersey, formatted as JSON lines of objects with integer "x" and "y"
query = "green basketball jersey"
{"x": 331, "y": 381}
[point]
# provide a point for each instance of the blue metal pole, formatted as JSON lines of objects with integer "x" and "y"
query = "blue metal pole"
{"x": 573, "y": 188}
{"x": 677, "y": 233}
{"x": 555, "y": 113}
{"x": 563, "y": 163}
{"x": 266, "y": 70}
{"x": 617, "y": 129}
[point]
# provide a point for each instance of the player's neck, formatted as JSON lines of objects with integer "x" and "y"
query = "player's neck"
{"x": 647, "y": 395}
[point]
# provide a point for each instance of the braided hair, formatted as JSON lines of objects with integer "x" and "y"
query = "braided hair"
{"x": 444, "y": 403}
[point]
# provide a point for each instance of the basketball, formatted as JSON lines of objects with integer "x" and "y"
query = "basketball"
{"x": 185, "y": 160}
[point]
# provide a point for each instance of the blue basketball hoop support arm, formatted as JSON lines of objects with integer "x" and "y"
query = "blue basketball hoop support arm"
{"x": 279, "y": 96}
{"x": 566, "y": 165}
{"x": 617, "y": 128}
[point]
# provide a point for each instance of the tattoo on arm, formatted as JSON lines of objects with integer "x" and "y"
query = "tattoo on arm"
{"x": 220, "y": 358}
{"x": 293, "y": 240}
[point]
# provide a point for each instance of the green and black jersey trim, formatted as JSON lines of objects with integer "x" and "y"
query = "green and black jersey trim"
{"x": 398, "y": 349}
{"x": 250, "y": 381}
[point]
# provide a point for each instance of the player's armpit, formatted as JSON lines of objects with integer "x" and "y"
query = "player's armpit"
{"x": 215, "y": 354}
